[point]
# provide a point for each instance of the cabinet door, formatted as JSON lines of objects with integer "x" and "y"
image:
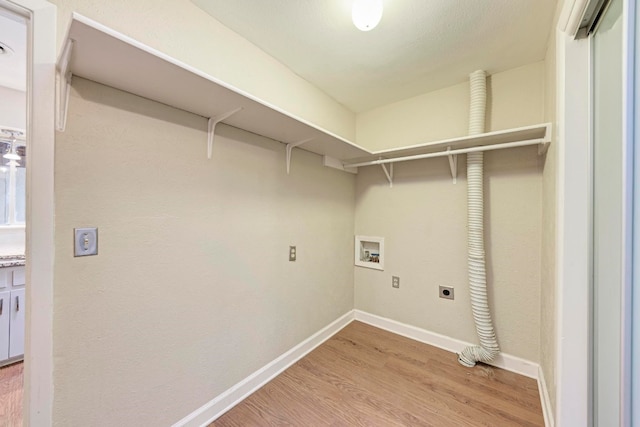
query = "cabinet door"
{"x": 16, "y": 324}
{"x": 5, "y": 314}
{"x": 19, "y": 278}
{"x": 5, "y": 278}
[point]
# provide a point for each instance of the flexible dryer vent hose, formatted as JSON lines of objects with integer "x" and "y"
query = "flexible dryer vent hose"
{"x": 488, "y": 348}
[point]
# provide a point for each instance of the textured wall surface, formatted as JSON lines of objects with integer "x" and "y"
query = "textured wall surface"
{"x": 548, "y": 316}
{"x": 423, "y": 217}
{"x": 423, "y": 220}
{"x": 180, "y": 29}
{"x": 515, "y": 98}
{"x": 192, "y": 289}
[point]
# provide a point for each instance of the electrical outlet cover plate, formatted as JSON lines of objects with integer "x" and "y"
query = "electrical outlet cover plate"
{"x": 292, "y": 253}
{"x": 85, "y": 241}
{"x": 446, "y": 292}
{"x": 395, "y": 281}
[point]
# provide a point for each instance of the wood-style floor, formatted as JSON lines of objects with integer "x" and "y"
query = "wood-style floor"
{"x": 364, "y": 376}
{"x": 11, "y": 395}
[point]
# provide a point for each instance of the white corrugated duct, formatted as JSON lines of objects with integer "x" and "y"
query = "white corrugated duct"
{"x": 488, "y": 348}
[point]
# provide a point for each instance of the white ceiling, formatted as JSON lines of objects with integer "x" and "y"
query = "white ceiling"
{"x": 13, "y": 65}
{"x": 419, "y": 46}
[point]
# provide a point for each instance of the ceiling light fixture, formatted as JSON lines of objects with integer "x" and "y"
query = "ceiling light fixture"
{"x": 366, "y": 14}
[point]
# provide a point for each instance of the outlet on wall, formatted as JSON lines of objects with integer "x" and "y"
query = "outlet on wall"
{"x": 446, "y": 292}
{"x": 395, "y": 281}
{"x": 292, "y": 253}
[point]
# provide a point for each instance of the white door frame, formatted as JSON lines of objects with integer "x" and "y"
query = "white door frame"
{"x": 631, "y": 102}
{"x": 573, "y": 220}
{"x": 631, "y": 364}
{"x": 38, "y": 378}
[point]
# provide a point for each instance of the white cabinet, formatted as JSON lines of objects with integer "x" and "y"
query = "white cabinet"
{"x": 18, "y": 277}
{"x": 5, "y": 315}
{"x": 5, "y": 278}
{"x": 16, "y": 324}
{"x": 12, "y": 313}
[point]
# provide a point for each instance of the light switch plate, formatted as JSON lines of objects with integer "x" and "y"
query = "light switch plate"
{"x": 85, "y": 241}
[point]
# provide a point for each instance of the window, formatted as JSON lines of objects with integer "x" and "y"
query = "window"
{"x": 13, "y": 179}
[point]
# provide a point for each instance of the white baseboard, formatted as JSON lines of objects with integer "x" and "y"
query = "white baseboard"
{"x": 547, "y": 410}
{"x": 230, "y": 398}
{"x": 504, "y": 361}
{"x": 236, "y": 394}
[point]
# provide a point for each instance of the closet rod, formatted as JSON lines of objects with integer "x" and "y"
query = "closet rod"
{"x": 449, "y": 152}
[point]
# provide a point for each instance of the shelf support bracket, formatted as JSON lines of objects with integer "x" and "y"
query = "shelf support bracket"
{"x": 546, "y": 141}
{"x": 63, "y": 86}
{"x": 453, "y": 165}
{"x": 388, "y": 172}
{"x": 290, "y": 148}
{"x": 211, "y": 128}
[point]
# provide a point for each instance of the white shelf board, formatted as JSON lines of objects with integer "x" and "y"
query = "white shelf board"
{"x": 105, "y": 56}
{"x": 541, "y": 132}
{"x": 108, "y": 57}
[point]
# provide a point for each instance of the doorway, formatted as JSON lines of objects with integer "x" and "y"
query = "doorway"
{"x": 13, "y": 163}
{"x": 40, "y": 16}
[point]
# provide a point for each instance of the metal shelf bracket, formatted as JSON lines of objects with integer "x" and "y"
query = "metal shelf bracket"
{"x": 453, "y": 165}
{"x": 388, "y": 173}
{"x": 63, "y": 86}
{"x": 211, "y": 128}
{"x": 290, "y": 148}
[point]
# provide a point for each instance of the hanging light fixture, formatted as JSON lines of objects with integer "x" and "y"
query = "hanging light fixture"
{"x": 366, "y": 14}
{"x": 11, "y": 154}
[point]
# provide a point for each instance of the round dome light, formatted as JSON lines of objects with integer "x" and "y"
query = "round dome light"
{"x": 366, "y": 14}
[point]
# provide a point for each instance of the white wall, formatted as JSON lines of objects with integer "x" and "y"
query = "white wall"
{"x": 423, "y": 220}
{"x": 515, "y": 98}
{"x": 548, "y": 316}
{"x": 180, "y": 29}
{"x": 192, "y": 289}
{"x": 423, "y": 217}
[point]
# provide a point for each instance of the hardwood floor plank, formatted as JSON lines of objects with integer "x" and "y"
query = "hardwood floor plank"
{"x": 388, "y": 385}
{"x": 11, "y": 395}
{"x": 365, "y": 376}
{"x": 483, "y": 403}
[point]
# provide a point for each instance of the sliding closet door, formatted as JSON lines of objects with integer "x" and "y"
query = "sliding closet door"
{"x": 634, "y": 130}
{"x": 608, "y": 216}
